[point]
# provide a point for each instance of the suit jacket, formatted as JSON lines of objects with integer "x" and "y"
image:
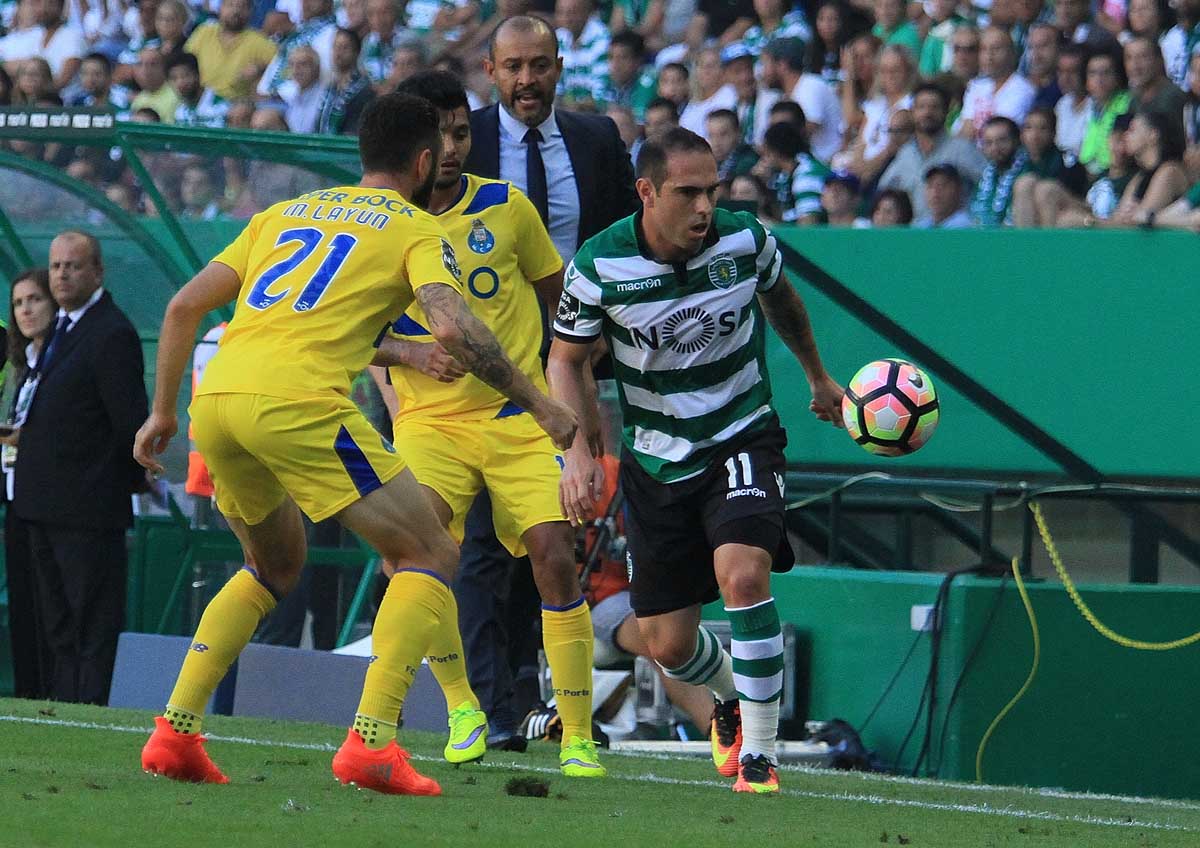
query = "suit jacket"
{"x": 603, "y": 172}
{"x": 75, "y": 463}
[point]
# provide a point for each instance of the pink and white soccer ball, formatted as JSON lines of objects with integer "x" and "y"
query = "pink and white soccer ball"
{"x": 890, "y": 407}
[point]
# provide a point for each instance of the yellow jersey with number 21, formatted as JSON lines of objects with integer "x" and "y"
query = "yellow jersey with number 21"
{"x": 323, "y": 276}
{"x": 502, "y": 247}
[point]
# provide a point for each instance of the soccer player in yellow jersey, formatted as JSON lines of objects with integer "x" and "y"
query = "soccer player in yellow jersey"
{"x": 459, "y": 434}
{"x": 318, "y": 280}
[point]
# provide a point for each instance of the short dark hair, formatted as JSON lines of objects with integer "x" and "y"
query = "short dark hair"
{"x": 183, "y": 60}
{"x": 632, "y": 40}
{"x": 1046, "y": 112}
{"x": 441, "y": 88}
{"x": 395, "y": 129}
{"x": 1014, "y": 132}
{"x": 664, "y": 103}
{"x": 521, "y": 23}
{"x": 932, "y": 88}
{"x": 900, "y": 198}
{"x": 944, "y": 169}
{"x": 727, "y": 115}
{"x": 16, "y": 342}
{"x": 101, "y": 59}
{"x": 1118, "y": 62}
{"x": 354, "y": 37}
{"x": 676, "y": 66}
{"x": 795, "y": 114}
{"x": 652, "y": 158}
{"x": 786, "y": 139}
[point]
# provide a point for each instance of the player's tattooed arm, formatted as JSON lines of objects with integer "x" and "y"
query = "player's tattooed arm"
{"x": 430, "y": 358}
{"x": 785, "y": 311}
{"x": 470, "y": 342}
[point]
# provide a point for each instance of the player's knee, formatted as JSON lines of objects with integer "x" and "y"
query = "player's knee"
{"x": 281, "y": 572}
{"x": 556, "y": 578}
{"x": 672, "y": 650}
{"x": 746, "y": 586}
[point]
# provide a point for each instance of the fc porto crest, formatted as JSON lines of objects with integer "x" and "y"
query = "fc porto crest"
{"x": 722, "y": 271}
{"x": 481, "y": 239}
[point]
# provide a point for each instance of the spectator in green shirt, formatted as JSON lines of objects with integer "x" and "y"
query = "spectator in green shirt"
{"x": 1106, "y": 85}
{"x": 892, "y": 27}
{"x": 629, "y": 81}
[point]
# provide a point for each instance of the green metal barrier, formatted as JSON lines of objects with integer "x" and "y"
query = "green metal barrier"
{"x": 1098, "y": 717}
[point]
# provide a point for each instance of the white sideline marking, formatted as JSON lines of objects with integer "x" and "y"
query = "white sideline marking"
{"x": 875, "y": 800}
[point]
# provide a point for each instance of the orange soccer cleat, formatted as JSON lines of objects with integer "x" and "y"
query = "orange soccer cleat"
{"x": 386, "y": 770}
{"x": 726, "y": 735}
{"x": 179, "y": 756}
{"x": 757, "y": 774}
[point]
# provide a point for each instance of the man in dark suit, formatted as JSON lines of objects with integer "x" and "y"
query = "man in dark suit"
{"x": 576, "y": 170}
{"x": 75, "y": 472}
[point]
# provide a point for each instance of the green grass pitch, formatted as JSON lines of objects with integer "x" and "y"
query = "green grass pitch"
{"x": 70, "y": 776}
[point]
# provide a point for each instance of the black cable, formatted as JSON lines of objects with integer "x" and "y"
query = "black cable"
{"x": 887, "y": 690}
{"x": 962, "y": 675}
{"x": 935, "y": 652}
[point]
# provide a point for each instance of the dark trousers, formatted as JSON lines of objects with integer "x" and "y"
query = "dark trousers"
{"x": 498, "y": 606}
{"x": 30, "y": 657}
{"x": 80, "y": 576}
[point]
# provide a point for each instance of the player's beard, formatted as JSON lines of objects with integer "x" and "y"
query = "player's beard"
{"x": 423, "y": 193}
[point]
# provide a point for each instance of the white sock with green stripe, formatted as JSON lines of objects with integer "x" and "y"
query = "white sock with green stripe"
{"x": 710, "y": 665}
{"x": 758, "y": 674}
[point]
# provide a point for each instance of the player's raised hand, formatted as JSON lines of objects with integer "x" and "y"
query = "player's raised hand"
{"x": 558, "y": 420}
{"x": 152, "y": 439}
{"x": 433, "y": 360}
{"x": 827, "y": 401}
{"x": 580, "y": 486}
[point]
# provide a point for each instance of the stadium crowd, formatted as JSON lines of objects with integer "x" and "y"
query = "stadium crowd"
{"x": 1025, "y": 113}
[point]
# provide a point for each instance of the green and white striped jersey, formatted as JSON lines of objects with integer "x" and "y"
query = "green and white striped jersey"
{"x": 688, "y": 340}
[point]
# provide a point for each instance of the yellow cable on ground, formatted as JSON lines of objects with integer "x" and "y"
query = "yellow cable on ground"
{"x": 1083, "y": 608}
{"x": 1037, "y": 657}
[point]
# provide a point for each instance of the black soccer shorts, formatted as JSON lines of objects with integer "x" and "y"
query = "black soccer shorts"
{"x": 672, "y": 529}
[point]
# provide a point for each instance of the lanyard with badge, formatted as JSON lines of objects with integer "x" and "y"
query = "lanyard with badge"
{"x": 29, "y": 386}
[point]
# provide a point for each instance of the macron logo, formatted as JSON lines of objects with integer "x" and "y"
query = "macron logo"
{"x": 640, "y": 285}
{"x": 752, "y": 491}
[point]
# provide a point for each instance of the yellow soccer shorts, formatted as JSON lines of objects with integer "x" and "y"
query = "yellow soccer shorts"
{"x": 321, "y": 451}
{"x": 511, "y": 457}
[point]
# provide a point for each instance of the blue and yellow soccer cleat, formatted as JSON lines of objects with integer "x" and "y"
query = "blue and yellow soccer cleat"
{"x": 726, "y": 736}
{"x": 468, "y": 734}
{"x": 579, "y": 759}
{"x": 756, "y": 774}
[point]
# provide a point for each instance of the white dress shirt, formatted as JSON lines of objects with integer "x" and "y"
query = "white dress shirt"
{"x": 76, "y": 314}
{"x": 562, "y": 193}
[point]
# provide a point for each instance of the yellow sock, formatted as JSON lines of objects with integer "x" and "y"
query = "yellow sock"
{"x": 413, "y": 605}
{"x": 448, "y": 661}
{"x": 567, "y": 638}
{"x": 229, "y": 621}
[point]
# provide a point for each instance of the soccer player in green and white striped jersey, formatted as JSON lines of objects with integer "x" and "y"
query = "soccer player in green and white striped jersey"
{"x": 681, "y": 293}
